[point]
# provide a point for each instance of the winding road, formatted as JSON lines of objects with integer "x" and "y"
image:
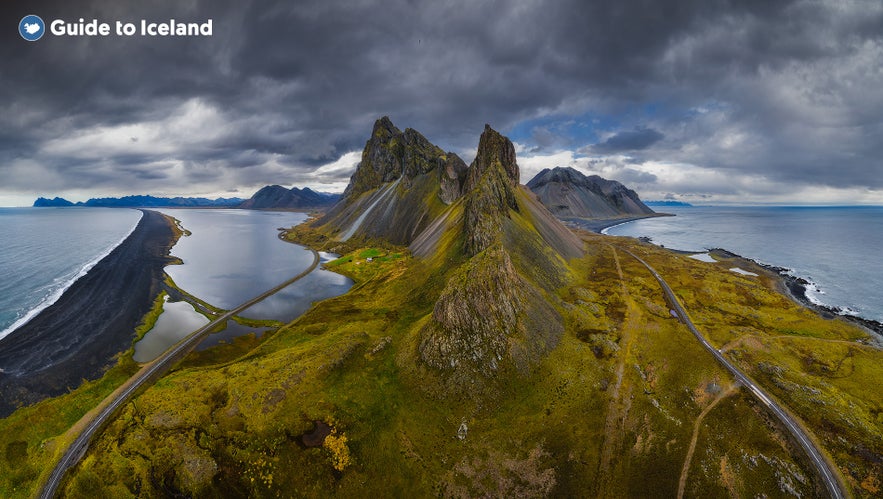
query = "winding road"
{"x": 159, "y": 367}
{"x": 823, "y": 468}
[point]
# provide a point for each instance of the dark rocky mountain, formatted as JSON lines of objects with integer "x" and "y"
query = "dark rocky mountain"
{"x": 161, "y": 202}
{"x": 402, "y": 183}
{"x": 568, "y": 193}
{"x": 54, "y": 202}
{"x": 501, "y": 252}
{"x": 495, "y": 314}
{"x": 276, "y": 196}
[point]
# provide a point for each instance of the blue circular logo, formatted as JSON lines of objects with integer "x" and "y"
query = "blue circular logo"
{"x": 31, "y": 28}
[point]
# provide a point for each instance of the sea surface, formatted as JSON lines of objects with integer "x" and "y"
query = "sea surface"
{"x": 837, "y": 249}
{"x": 44, "y": 250}
{"x": 232, "y": 256}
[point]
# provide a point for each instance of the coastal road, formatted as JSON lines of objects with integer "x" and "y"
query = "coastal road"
{"x": 159, "y": 367}
{"x": 823, "y": 468}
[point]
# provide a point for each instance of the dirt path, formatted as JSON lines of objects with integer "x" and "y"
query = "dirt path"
{"x": 682, "y": 483}
{"x": 618, "y": 408}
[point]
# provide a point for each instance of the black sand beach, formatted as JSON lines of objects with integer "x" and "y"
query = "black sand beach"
{"x": 598, "y": 224}
{"x": 78, "y": 336}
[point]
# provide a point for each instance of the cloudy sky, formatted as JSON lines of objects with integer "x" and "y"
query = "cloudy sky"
{"x": 706, "y": 101}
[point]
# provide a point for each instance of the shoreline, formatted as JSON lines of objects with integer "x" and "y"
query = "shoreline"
{"x": 78, "y": 337}
{"x": 57, "y": 294}
{"x": 599, "y": 225}
{"x": 796, "y": 288}
{"x": 792, "y": 286}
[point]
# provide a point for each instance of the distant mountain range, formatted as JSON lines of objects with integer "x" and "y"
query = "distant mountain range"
{"x": 667, "y": 202}
{"x": 143, "y": 202}
{"x": 269, "y": 197}
{"x": 568, "y": 193}
{"x": 276, "y": 196}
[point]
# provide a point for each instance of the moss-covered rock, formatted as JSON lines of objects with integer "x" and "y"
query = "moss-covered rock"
{"x": 488, "y": 318}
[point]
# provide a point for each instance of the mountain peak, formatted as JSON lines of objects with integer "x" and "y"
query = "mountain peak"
{"x": 276, "y": 196}
{"x": 493, "y": 148}
{"x": 390, "y": 154}
{"x": 567, "y": 192}
{"x": 57, "y": 201}
{"x": 490, "y": 190}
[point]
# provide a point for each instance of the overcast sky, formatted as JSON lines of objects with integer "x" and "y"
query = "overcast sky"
{"x": 705, "y": 101}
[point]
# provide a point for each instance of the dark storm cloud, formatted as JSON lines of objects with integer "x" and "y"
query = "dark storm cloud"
{"x": 786, "y": 90}
{"x": 628, "y": 140}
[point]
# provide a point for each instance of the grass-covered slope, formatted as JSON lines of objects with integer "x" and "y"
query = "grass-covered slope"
{"x": 612, "y": 410}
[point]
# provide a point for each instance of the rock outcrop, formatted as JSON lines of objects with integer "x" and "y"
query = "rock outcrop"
{"x": 390, "y": 154}
{"x": 490, "y": 190}
{"x": 568, "y": 193}
{"x": 402, "y": 183}
{"x": 451, "y": 178}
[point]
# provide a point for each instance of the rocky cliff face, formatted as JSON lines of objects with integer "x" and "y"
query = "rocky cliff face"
{"x": 490, "y": 190}
{"x": 488, "y": 319}
{"x": 451, "y": 178}
{"x": 390, "y": 154}
{"x": 402, "y": 183}
{"x": 569, "y": 194}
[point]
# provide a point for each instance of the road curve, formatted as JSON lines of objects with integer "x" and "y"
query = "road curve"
{"x": 829, "y": 477}
{"x": 159, "y": 367}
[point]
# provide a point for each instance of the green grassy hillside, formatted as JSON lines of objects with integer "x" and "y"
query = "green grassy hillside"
{"x": 611, "y": 411}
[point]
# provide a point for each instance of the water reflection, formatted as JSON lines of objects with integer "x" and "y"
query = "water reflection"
{"x": 177, "y": 320}
{"x": 294, "y": 300}
{"x": 232, "y": 331}
{"x": 234, "y": 255}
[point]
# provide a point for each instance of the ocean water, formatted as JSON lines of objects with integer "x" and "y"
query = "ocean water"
{"x": 232, "y": 256}
{"x": 44, "y": 250}
{"x": 837, "y": 249}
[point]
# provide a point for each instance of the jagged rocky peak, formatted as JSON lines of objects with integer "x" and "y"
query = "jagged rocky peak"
{"x": 391, "y": 153}
{"x": 493, "y": 148}
{"x": 451, "y": 178}
{"x": 490, "y": 191}
{"x": 419, "y": 155}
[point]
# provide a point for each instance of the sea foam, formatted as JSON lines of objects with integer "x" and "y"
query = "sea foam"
{"x": 57, "y": 292}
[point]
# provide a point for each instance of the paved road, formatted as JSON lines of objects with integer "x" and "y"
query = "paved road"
{"x": 823, "y": 468}
{"x": 159, "y": 367}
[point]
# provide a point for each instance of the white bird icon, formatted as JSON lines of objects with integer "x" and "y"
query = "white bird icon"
{"x": 32, "y": 28}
